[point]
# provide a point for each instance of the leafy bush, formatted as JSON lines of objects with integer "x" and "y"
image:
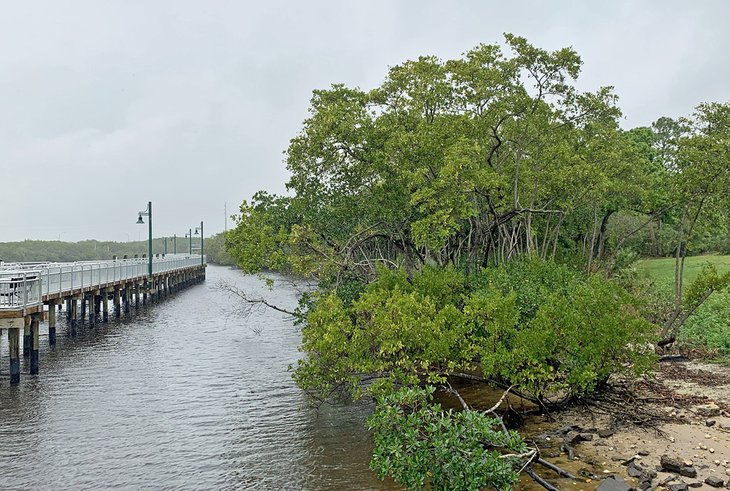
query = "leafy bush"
{"x": 422, "y": 446}
{"x": 709, "y": 326}
{"x": 538, "y": 325}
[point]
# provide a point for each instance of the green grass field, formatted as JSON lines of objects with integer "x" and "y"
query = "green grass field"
{"x": 662, "y": 270}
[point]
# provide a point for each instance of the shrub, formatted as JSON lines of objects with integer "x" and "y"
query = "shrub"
{"x": 538, "y": 325}
{"x": 421, "y": 446}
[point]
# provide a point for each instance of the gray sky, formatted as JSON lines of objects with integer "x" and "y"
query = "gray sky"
{"x": 105, "y": 105}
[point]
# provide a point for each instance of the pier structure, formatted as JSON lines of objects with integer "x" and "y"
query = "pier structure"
{"x": 35, "y": 292}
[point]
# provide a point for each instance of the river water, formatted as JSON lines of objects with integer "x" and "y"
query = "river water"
{"x": 183, "y": 395}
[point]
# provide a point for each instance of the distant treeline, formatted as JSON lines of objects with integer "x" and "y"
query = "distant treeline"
{"x": 87, "y": 250}
{"x": 215, "y": 249}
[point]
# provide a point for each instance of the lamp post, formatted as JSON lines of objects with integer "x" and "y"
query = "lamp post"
{"x": 147, "y": 213}
{"x": 200, "y": 229}
{"x": 190, "y": 234}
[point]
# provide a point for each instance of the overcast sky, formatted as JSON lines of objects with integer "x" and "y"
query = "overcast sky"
{"x": 105, "y": 105}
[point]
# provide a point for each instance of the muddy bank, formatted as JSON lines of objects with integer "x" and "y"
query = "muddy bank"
{"x": 670, "y": 431}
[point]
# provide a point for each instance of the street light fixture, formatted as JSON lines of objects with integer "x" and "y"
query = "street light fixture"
{"x": 147, "y": 213}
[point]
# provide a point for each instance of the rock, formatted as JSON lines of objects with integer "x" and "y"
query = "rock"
{"x": 643, "y": 453}
{"x": 711, "y": 450}
{"x": 708, "y": 410}
{"x": 678, "y": 486}
{"x": 727, "y": 471}
{"x": 605, "y": 433}
{"x": 715, "y": 482}
{"x": 694, "y": 484}
{"x": 634, "y": 470}
{"x": 565, "y": 429}
{"x": 644, "y": 485}
{"x": 648, "y": 475}
{"x": 573, "y": 437}
{"x": 615, "y": 483}
{"x": 688, "y": 472}
{"x": 710, "y": 422}
{"x": 670, "y": 464}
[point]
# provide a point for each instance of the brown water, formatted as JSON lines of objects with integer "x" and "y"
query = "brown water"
{"x": 183, "y": 395}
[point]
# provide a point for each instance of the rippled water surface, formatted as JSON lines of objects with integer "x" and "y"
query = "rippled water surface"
{"x": 182, "y": 395}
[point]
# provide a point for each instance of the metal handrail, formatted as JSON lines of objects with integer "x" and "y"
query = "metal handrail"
{"x": 49, "y": 278}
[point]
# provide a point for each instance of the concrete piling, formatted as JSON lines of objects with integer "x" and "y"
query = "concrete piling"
{"x": 52, "y": 325}
{"x": 26, "y": 337}
{"x": 92, "y": 310}
{"x": 14, "y": 349}
{"x": 35, "y": 342}
{"x": 105, "y": 305}
{"x": 117, "y": 302}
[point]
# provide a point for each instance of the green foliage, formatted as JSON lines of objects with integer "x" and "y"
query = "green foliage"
{"x": 538, "y": 325}
{"x": 709, "y": 327}
{"x": 708, "y": 280}
{"x": 421, "y": 446}
{"x": 216, "y": 252}
{"x": 260, "y": 241}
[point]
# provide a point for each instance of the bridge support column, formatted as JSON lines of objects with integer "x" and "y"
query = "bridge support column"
{"x": 35, "y": 322}
{"x": 74, "y": 316}
{"x": 127, "y": 298}
{"x": 92, "y": 310}
{"x": 83, "y": 308}
{"x": 105, "y": 305}
{"x": 14, "y": 349}
{"x": 117, "y": 302}
{"x": 52, "y": 324}
{"x": 68, "y": 309}
{"x": 26, "y": 337}
{"x": 136, "y": 296}
{"x": 97, "y": 309}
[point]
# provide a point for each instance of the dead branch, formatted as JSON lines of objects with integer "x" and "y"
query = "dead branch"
{"x": 249, "y": 302}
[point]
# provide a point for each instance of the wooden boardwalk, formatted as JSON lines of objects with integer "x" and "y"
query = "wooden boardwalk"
{"x": 33, "y": 292}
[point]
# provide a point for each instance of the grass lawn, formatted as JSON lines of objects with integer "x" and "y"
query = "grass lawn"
{"x": 662, "y": 270}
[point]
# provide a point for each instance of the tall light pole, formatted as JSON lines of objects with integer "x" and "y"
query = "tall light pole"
{"x": 200, "y": 229}
{"x": 190, "y": 234}
{"x": 147, "y": 213}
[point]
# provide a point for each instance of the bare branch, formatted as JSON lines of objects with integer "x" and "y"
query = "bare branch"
{"x": 250, "y": 302}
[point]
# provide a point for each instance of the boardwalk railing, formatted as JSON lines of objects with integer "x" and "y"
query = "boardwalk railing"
{"x": 19, "y": 289}
{"x": 25, "y": 284}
